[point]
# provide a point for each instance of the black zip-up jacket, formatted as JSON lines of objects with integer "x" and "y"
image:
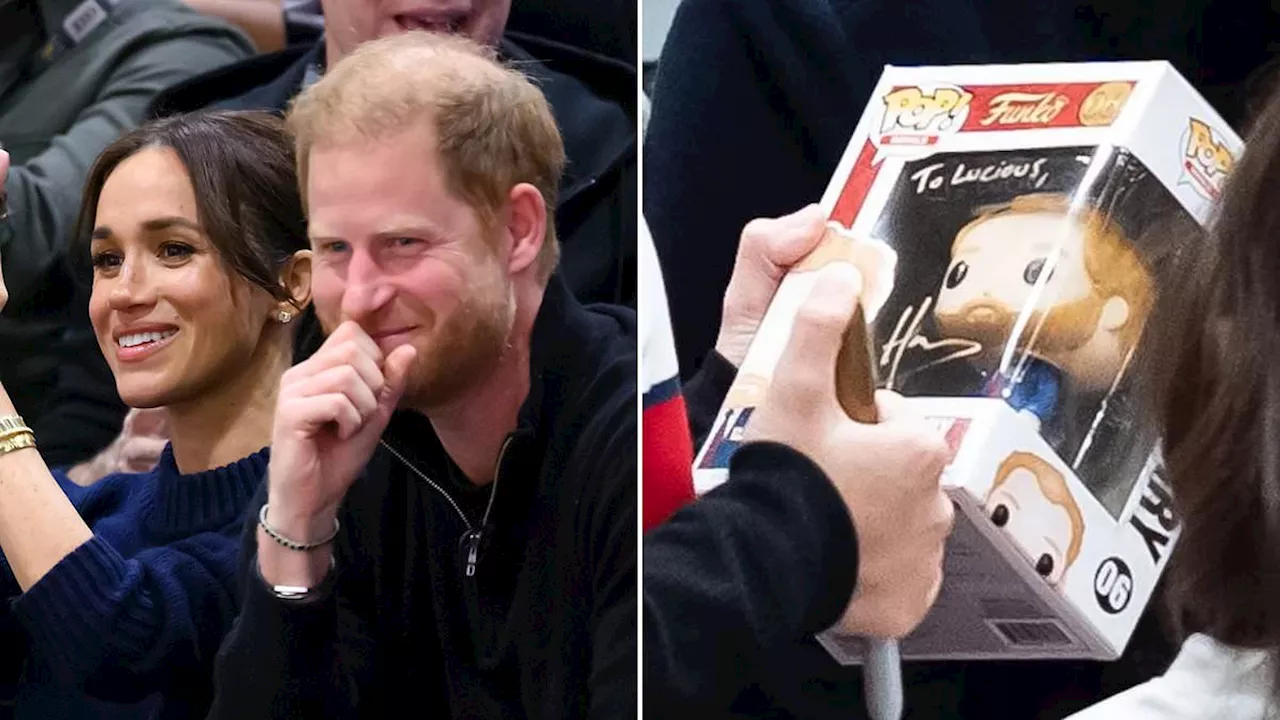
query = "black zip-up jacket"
{"x": 544, "y": 628}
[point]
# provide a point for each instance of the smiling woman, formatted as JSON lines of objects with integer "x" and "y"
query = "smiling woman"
{"x": 179, "y": 292}
{"x": 197, "y": 239}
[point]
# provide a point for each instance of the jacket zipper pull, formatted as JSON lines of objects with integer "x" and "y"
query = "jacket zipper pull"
{"x": 473, "y": 551}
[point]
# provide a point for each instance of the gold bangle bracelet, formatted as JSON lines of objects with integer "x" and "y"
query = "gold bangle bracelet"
{"x": 9, "y": 434}
{"x": 11, "y": 422}
{"x": 20, "y": 442}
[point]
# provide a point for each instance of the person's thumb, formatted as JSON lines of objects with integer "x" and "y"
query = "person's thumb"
{"x": 767, "y": 249}
{"x": 891, "y": 406}
{"x": 773, "y": 245}
{"x": 395, "y": 372}
{"x": 806, "y": 370}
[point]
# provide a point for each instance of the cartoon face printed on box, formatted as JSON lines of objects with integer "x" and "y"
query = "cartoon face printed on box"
{"x": 1074, "y": 271}
{"x": 1031, "y": 501}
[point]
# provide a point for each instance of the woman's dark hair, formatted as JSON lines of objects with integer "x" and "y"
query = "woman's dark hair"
{"x": 241, "y": 166}
{"x": 1214, "y": 340}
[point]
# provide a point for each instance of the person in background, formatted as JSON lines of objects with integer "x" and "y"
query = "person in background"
{"x": 75, "y": 75}
{"x": 271, "y": 24}
{"x": 472, "y": 554}
{"x": 126, "y": 588}
{"x": 137, "y": 449}
{"x": 592, "y": 95}
{"x": 1217, "y": 391}
{"x": 667, "y": 479}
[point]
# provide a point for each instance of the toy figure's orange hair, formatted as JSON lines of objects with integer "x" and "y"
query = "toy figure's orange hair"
{"x": 1054, "y": 487}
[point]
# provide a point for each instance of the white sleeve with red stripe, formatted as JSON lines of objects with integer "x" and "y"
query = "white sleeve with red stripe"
{"x": 667, "y": 449}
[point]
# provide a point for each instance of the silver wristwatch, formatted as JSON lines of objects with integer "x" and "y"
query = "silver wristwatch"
{"x": 297, "y": 593}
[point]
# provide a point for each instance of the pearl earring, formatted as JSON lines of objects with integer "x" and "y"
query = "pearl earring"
{"x": 284, "y": 316}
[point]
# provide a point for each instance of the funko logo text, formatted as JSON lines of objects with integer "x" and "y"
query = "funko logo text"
{"x": 1154, "y": 518}
{"x": 1208, "y": 160}
{"x": 913, "y": 110}
{"x": 1021, "y": 108}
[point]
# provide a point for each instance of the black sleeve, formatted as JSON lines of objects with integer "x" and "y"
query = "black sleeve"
{"x": 610, "y": 548}
{"x": 295, "y": 660}
{"x": 705, "y": 392}
{"x": 757, "y": 565}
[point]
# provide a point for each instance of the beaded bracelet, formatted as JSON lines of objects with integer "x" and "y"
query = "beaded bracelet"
{"x": 293, "y": 544}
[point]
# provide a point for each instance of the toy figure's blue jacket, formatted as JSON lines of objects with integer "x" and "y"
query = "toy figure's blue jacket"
{"x": 1034, "y": 389}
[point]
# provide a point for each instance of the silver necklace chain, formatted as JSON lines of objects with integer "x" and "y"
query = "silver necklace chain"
{"x": 473, "y": 534}
{"x": 465, "y": 520}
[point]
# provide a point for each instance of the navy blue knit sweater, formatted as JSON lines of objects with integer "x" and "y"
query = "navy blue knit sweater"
{"x": 135, "y": 614}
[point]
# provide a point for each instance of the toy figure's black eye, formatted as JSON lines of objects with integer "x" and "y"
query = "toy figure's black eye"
{"x": 1044, "y": 565}
{"x": 1000, "y": 515}
{"x": 957, "y": 273}
{"x": 1032, "y": 273}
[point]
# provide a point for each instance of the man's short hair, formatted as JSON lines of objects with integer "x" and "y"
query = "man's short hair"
{"x": 494, "y": 129}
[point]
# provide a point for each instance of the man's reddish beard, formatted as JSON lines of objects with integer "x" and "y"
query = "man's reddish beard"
{"x": 462, "y": 350}
{"x": 1061, "y": 328}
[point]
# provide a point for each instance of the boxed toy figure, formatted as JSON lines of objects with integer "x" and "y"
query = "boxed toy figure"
{"x": 1013, "y": 225}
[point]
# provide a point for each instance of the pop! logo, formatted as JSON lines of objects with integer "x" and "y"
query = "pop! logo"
{"x": 1207, "y": 159}
{"x": 917, "y": 115}
{"x": 1023, "y": 108}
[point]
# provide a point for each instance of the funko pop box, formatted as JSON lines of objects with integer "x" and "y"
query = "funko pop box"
{"x": 1012, "y": 225}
